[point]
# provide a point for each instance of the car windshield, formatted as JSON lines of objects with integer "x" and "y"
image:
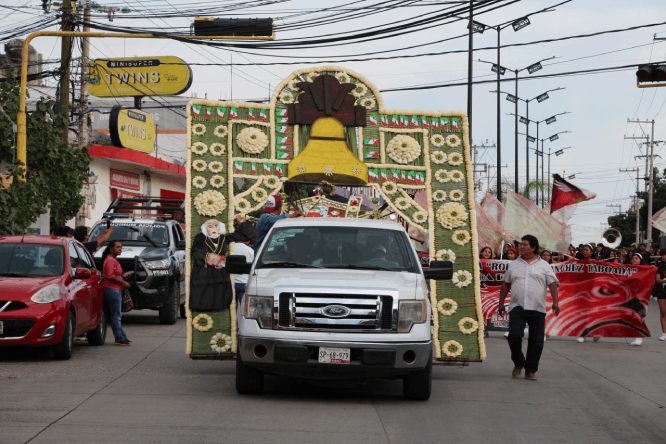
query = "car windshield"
{"x": 135, "y": 233}
{"x": 31, "y": 260}
{"x": 338, "y": 247}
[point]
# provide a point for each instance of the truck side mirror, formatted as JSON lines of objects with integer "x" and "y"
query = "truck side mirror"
{"x": 236, "y": 264}
{"x": 439, "y": 270}
{"x": 181, "y": 245}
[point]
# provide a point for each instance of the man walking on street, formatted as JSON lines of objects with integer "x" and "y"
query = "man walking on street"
{"x": 528, "y": 277}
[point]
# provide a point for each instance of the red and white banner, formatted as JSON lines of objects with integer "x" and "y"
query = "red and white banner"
{"x": 123, "y": 179}
{"x": 596, "y": 298}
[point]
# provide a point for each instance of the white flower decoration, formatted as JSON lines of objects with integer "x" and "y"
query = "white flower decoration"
{"x": 210, "y": 203}
{"x": 437, "y": 140}
{"x": 217, "y": 149}
{"x": 445, "y": 255}
{"x": 456, "y": 195}
{"x": 439, "y": 196}
{"x": 198, "y": 129}
{"x": 217, "y": 181}
{"x": 311, "y": 76}
{"x": 293, "y": 84}
{"x": 442, "y": 176}
{"x": 199, "y": 165}
{"x": 455, "y": 175}
{"x": 199, "y": 182}
{"x": 402, "y": 203}
{"x": 360, "y": 90}
{"x": 252, "y": 140}
{"x": 199, "y": 148}
{"x": 453, "y": 140}
{"x": 215, "y": 166}
{"x": 221, "y": 343}
{"x": 368, "y": 102}
{"x": 403, "y": 149}
{"x": 342, "y": 77}
{"x": 452, "y": 349}
{"x": 452, "y": 215}
{"x": 389, "y": 188}
{"x": 460, "y": 237}
{"x": 259, "y": 195}
{"x": 202, "y": 322}
{"x": 420, "y": 217}
{"x": 272, "y": 181}
{"x": 301, "y": 168}
{"x": 221, "y": 131}
{"x": 329, "y": 170}
{"x": 468, "y": 325}
{"x": 461, "y": 278}
{"x": 455, "y": 159}
{"x": 286, "y": 97}
{"x": 242, "y": 205}
{"x": 447, "y": 306}
{"x": 438, "y": 157}
{"x": 356, "y": 170}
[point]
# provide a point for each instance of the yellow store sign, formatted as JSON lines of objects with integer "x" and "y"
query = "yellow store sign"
{"x": 133, "y": 129}
{"x": 139, "y": 76}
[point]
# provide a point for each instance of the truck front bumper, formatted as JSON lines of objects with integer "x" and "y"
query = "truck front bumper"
{"x": 367, "y": 359}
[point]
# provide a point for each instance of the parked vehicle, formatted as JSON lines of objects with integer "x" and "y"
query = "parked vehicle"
{"x": 153, "y": 250}
{"x": 50, "y": 292}
{"x": 331, "y": 298}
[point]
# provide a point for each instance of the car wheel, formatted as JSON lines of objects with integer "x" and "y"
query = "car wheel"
{"x": 169, "y": 311}
{"x": 249, "y": 381}
{"x": 183, "y": 312}
{"x": 98, "y": 335}
{"x": 64, "y": 349}
{"x": 418, "y": 385}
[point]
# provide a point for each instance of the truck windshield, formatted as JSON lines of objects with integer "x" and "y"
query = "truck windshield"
{"x": 135, "y": 233}
{"x": 31, "y": 260}
{"x": 338, "y": 247}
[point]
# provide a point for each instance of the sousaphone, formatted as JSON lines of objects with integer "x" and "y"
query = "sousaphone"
{"x": 611, "y": 238}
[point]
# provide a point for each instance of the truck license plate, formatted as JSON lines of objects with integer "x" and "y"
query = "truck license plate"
{"x": 334, "y": 355}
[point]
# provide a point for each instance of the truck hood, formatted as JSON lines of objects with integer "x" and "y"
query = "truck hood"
{"x": 147, "y": 253}
{"x": 265, "y": 281}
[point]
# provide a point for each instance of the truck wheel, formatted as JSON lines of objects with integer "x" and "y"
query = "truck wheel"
{"x": 64, "y": 349}
{"x": 98, "y": 335}
{"x": 183, "y": 312}
{"x": 169, "y": 311}
{"x": 418, "y": 385}
{"x": 249, "y": 381}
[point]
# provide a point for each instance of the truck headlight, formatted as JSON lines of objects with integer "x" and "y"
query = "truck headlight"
{"x": 46, "y": 295}
{"x": 410, "y": 312}
{"x": 261, "y": 309}
{"x": 157, "y": 265}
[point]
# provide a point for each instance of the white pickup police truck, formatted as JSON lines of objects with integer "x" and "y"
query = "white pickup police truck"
{"x": 333, "y": 298}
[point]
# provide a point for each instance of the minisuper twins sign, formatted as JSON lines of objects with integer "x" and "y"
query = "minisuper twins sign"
{"x": 139, "y": 76}
{"x": 132, "y": 128}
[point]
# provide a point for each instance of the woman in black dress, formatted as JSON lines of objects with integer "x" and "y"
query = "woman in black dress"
{"x": 210, "y": 285}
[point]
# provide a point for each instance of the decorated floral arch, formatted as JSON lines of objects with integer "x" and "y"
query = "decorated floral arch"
{"x": 393, "y": 150}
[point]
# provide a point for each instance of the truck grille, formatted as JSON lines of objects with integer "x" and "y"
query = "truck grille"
{"x": 365, "y": 312}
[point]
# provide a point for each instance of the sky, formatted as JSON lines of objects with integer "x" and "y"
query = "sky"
{"x": 599, "y": 104}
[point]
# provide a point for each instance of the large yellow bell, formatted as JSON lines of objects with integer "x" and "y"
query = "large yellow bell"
{"x": 328, "y": 157}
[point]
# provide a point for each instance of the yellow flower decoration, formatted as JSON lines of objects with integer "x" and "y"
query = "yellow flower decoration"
{"x": 356, "y": 170}
{"x": 301, "y": 168}
{"x": 402, "y": 203}
{"x": 442, "y": 176}
{"x": 439, "y": 196}
{"x": 360, "y": 90}
{"x": 202, "y": 322}
{"x": 199, "y": 165}
{"x": 217, "y": 181}
{"x": 460, "y": 237}
{"x": 453, "y": 140}
{"x": 199, "y": 148}
{"x": 221, "y": 131}
{"x": 199, "y": 182}
{"x": 455, "y": 175}
{"x": 456, "y": 195}
{"x": 286, "y": 97}
{"x": 390, "y": 188}
{"x": 342, "y": 77}
{"x": 438, "y": 157}
{"x": 437, "y": 140}
{"x": 198, "y": 129}
{"x": 452, "y": 349}
{"x": 420, "y": 217}
{"x": 242, "y": 205}
{"x": 368, "y": 102}
{"x": 293, "y": 84}
{"x": 215, "y": 166}
{"x": 329, "y": 170}
{"x": 217, "y": 149}
{"x": 455, "y": 159}
{"x": 259, "y": 195}
{"x": 468, "y": 325}
{"x": 221, "y": 343}
{"x": 447, "y": 306}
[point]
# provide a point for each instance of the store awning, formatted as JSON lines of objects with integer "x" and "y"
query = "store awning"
{"x": 137, "y": 158}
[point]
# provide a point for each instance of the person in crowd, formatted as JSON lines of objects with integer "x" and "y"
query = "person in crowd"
{"x": 661, "y": 294}
{"x": 486, "y": 253}
{"x": 113, "y": 289}
{"x": 511, "y": 254}
{"x": 613, "y": 257}
{"x": 81, "y": 235}
{"x": 638, "y": 259}
{"x": 587, "y": 252}
{"x": 272, "y": 214}
{"x": 600, "y": 253}
{"x": 547, "y": 256}
{"x": 528, "y": 278}
{"x": 642, "y": 249}
{"x": 242, "y": 247}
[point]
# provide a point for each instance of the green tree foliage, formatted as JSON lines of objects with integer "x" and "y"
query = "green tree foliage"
{"x": 625, "y": 223}
{"x": 55, "y": 170}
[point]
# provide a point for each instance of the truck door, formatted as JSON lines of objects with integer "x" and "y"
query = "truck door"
{"x": 179, "y": 235}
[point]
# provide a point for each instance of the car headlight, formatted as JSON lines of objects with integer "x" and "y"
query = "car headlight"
{"x": 46, "y": 295}
{"x": 157, "y": 265}
{"x": 410, "y": 312}
{"x": 261, "y": 309}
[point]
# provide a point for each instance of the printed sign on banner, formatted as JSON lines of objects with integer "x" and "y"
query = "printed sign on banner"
{"x": 123, "y": 179}
{"x": 596, "y": 298}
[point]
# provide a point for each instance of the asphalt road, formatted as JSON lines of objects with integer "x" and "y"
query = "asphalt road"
{"x": 605, "y": 392}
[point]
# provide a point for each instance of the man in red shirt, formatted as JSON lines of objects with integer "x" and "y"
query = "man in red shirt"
{"x": 113, "y": 289}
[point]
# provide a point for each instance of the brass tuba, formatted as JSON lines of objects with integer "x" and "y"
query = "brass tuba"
{"x": 611, "y": 238}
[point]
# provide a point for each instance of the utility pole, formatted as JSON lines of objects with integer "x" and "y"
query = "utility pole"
{"x": 67, "y": 9}
{"x": 637, "y": 171}
{"x": 650, "y": 176}
{"x": 470, "y": 61}
{"x": 475, "y": 148}
{"x": 619, "y": 206}
{"x": 85, "y": 77}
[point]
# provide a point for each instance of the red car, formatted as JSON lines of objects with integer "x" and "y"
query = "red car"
{"x": 50, "y": 292}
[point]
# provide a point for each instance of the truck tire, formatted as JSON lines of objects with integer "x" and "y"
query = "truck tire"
{"x": 418, "y": 385}
{"x": 64, "y": 349}
{"x": 169, "y": 311}
{"x": 249, "y": 381}
{"x": 97, "y": 336}
{"x": 183, "y": 312}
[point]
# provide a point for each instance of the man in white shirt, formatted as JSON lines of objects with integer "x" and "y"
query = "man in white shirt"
{"x": 528, "y": 277}
{"x": 240, "y": 280}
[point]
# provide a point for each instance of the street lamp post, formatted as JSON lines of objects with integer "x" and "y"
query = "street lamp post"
{"x": 538, "y": 153}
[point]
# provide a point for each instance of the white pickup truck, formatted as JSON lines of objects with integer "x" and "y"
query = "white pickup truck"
{"x": 332, "y": 298}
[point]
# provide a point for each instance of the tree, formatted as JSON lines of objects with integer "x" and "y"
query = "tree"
{"x": 625, "y": 223}
{"x": 55, "y": 171}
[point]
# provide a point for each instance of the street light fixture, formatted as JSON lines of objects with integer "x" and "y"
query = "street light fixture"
{"x": 543, "y": 97}
{"x": 551, "y": 120}
{"x": 502, "y": 69}
{"x": 521, "y": 23}
{"x": 524, "y": 121}
{"x": 553, "y": 138}
{"x": 558, "y": 153}
{"x": 511, "y": 98}
{"x": 534, "y": 68}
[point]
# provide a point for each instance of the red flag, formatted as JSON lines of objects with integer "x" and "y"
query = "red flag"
{"x": 565, "y": 193}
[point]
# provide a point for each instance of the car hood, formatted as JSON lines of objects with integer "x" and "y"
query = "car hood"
{"x": 147, "y": 253}
{"x": 21, "y": 289}
{"x": 266, "y": 279}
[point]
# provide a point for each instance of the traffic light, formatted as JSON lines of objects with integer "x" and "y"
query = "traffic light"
{"x": 246, "y": 29}
{"x": 651, "y": 76}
